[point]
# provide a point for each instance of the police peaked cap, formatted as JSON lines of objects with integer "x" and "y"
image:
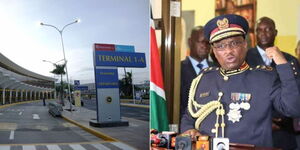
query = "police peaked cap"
{"x": 225, "y": 26}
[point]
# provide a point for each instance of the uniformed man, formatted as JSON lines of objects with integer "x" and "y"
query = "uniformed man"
{"x": 235, "y": 100}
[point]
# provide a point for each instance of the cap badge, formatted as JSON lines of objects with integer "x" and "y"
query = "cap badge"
{"x": 223, "y": 24}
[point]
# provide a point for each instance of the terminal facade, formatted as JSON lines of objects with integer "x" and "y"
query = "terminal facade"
{"x": 19, "y": 84}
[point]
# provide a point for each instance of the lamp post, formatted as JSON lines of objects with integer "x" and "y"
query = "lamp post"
{"x": 63, "y": 48}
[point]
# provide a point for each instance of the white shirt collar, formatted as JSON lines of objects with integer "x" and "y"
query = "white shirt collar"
{"x": 195, "y": 63}
{"x": 263, "y": 54}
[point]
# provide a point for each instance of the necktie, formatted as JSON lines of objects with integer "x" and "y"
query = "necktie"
{"x": 200, "y": 66}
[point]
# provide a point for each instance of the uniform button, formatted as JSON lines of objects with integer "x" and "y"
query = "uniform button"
{"x": 250, "y": 68}
{"x": 295, "y": 73}
{"x": 292, "y": 63}
{"x": 220, "y": 94}
{"x": 294, "y": 68}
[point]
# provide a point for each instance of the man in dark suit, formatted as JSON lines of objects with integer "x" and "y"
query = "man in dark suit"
{"x": 283, "y": 133}
{"x": 193, "y": 64}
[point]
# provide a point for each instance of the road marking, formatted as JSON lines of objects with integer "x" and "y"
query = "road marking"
{"x": 12, "y": 135}
{"x": 1, "y": 113}
{"x": 20, "y": 113}
{"x": 35, "y": 116}
{"x": 53, "y": 147}
{"x": 29, "y": 147}
{"x": 77, "y": 147}
{"x": 100, "y": 146}
{"x": 122, "y": 145}
{"x": 8, "y": 126}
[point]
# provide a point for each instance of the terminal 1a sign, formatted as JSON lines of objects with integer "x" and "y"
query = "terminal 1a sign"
{"x": 107, "y": 59}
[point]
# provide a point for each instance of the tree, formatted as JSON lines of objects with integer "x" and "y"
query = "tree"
{"x": 126, "y": 85}
{"x": 60, "y": 70}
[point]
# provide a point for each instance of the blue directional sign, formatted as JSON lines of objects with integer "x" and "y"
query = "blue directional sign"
{"x": 120, "y": 59}
{"x": 81, "y": 88}
{"x": 107, "y": 78}
{"x": 124, "y": 48}
{"x": 76, "y": 82}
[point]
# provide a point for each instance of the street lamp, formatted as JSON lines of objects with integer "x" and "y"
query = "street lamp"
{"x": 63, "y": 48}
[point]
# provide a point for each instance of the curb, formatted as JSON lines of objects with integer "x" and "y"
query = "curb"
{"x": 17, "y": 103}
{"x": 135, "y": 105}
{"x": 92, "y": 131}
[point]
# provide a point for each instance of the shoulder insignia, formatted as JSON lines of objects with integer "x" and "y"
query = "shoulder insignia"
{"x": 209, "y": 69}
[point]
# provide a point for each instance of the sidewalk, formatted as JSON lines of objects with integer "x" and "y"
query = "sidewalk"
{"x": 135, "y": 135}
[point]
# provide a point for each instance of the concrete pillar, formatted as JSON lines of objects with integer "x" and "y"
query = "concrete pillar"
{"x": 10, "y": 95}
{"x": 17, "y": 99}
{"x": 21, "y": 98}
{"x": 26, "y": 95}
{"x": 3, "y": 96}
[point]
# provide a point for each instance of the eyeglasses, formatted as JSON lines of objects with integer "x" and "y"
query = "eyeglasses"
{"x": 232, "y": 44}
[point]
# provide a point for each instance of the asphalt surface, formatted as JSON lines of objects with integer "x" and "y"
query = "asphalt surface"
{"x": 19, "y": 121}
{"x": 126, "y": 111}
{"x": 30, "y": 127}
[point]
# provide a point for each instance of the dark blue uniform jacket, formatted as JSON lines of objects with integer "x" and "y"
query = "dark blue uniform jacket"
{"x": 269, "y": 90}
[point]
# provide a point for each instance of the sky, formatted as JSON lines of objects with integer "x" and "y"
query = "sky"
{"x": 25, "y": 42}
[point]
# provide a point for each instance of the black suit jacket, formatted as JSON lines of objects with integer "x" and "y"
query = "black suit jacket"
{"x": 187, "y": 75}
{"x": 284, "y": 137}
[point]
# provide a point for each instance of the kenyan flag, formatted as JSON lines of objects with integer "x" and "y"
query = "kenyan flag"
{"x": 158, "y": 105}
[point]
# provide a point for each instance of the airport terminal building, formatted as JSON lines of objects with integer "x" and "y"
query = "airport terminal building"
{"x": 19, "y": 84}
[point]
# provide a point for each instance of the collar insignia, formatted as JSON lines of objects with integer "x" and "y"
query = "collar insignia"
{"x": 227, "y": 73}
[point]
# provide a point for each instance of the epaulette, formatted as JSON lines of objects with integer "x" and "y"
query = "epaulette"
{"x": 262, "y": 67}
{"x": 209, "y": 69}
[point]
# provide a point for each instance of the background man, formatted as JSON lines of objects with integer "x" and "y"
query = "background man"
{"x": 193, "y": 64}
{"x": 283, "y": 132}
{"x": 243, "y": 96}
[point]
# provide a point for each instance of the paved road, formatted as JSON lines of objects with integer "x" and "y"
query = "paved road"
{"x": 32, "y": 125}
{"x": 130, "y": 112}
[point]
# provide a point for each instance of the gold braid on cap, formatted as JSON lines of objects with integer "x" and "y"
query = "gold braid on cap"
{"x": 203, "y": 110}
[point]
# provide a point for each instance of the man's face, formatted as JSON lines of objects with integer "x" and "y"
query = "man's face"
{"x": 199, "y": 46}
{"x": 230, "y": 52}
{"x": 265, "y": 34}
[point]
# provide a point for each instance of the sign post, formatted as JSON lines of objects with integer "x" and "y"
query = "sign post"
{"x": 107, "y": 57}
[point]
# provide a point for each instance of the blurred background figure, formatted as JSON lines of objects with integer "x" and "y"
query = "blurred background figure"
{"x": 193, "y": 64}
{"x": 266, "y": 32}
{"x": 297, "y": 51}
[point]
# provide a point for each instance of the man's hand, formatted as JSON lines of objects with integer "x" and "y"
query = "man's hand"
{"x": 275, "y": 54}
{"x": 192, "y": 133}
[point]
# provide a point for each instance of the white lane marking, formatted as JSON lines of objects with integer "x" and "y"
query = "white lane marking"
{"x": 20, "y": 113}
{"x": 53, "y": 147}
{"x": 35, "y": 116}
{"x": 77, "y": 147}
{"x": 12, "y": 135}
{"x": 29, "y": 147}
{"x": 122, "y": 146}
{"x": 5, "y": 147}
{"x": 1, "y": 113}
{"x": 100, "y": 147}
